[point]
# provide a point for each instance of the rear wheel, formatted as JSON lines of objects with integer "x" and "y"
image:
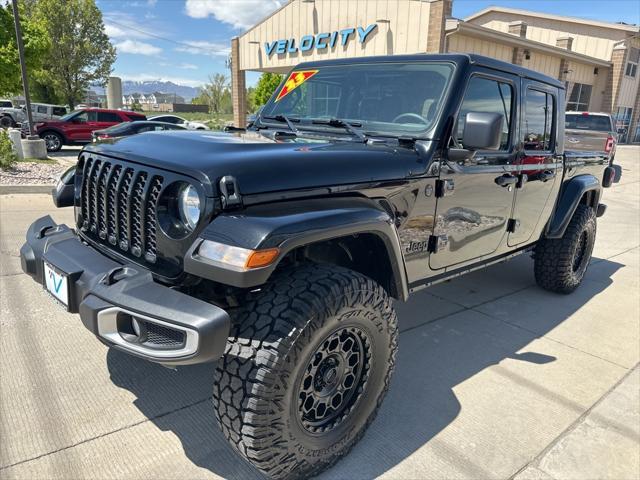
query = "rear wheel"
{"x": 52, "y": 140}
{"x": 307, "y": 365}
{"x": 560, "y": 264}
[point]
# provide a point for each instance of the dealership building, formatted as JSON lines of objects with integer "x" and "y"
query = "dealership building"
{"x": 598, "y": 61}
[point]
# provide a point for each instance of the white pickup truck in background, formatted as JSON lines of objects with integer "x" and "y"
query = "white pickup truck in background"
{"x": 592, "y": 132}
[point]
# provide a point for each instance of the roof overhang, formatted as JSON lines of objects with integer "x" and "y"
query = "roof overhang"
{"x": 458, "y": 26}
{"x": 582, "y": 21}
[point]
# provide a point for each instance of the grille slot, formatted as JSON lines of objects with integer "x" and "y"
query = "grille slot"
{"x": 163, "y": 336}
{"x": 119, "y": 206}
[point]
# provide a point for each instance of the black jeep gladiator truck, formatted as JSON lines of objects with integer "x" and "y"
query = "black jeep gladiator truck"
{"x": 277, "y": 251}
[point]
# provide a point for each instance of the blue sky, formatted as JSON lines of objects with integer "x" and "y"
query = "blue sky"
{"x": 185, "y": 41}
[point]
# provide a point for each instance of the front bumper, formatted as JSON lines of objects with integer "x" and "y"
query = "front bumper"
{"x": 173, "y": 328}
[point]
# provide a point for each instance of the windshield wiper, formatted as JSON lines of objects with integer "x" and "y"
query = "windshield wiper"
{"x": 348, "y": 126}
{"x": 282, "y": 118}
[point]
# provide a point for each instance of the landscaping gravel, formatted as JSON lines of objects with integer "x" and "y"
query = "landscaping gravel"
{"x": 32, "y": 173}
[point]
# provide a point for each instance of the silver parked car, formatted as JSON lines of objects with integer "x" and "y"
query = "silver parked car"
{"x": 590, "y": 131}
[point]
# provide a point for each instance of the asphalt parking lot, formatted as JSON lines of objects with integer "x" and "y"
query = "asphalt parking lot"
{"x": 495, "y": 379}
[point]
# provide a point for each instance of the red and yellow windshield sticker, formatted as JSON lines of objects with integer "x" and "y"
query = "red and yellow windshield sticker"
{"x": 294, "y": 81}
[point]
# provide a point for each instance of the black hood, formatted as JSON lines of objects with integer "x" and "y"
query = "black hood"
{"x": 260, "y": 165}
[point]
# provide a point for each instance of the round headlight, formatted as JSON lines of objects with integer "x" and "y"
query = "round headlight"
{"x": 189, "y": 206}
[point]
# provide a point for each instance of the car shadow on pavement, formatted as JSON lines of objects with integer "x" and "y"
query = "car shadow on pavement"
{"x": 435, "y": 357}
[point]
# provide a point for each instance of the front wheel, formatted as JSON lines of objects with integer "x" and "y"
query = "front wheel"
{"x": 52, "y": 140}
{"x": 560, "y": 264}
{"x": 307, "y": 365}
{"x": 7, "y": 121}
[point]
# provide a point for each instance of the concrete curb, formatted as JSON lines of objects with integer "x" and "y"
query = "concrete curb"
{"x": 24, "y": 189}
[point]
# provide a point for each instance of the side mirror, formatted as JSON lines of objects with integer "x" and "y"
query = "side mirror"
{"x": 482, "y": 131}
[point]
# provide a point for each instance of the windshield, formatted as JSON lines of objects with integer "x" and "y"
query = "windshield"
{"x": 69, "y": 116}
{"x": 387, "y": 98}
{"x": 599, "y": 123}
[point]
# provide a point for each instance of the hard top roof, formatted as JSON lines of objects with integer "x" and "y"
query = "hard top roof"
{"x": 458, "y": 58}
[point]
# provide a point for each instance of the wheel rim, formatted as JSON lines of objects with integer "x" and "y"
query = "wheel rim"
{"x": 581, "y": 251}
{"x": 334, "y": 380}
{"x": 52, "y": 141}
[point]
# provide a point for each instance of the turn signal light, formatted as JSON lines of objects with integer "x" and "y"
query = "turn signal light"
{"x": 262, "y": 258}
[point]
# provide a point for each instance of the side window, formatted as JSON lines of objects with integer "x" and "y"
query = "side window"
{"x": 59, "y": 111}
{"x": 42, "y": 109}
{"x": 538, "y": 120}
{"x": 91, "y": 116}
{"x": 109, "y": 117}
{"x": 487, "y": 96}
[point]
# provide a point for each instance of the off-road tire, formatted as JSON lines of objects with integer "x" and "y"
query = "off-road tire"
{"x": 6, "y": 121}
{"x": 275, "y": 338}
{"x": 560, "y": 264}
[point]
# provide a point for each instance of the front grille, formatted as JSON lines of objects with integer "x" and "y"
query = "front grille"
{"x": 119, "y": 206}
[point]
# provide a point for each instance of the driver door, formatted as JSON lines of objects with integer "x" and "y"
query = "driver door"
{"x": 472, "y": 214}
{"x": 79, "y": 128}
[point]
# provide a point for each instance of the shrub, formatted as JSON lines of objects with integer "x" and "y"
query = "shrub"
{"x": 8, "y": 156}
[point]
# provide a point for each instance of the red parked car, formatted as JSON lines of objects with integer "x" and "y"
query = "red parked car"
{"x": 77, "y": 127}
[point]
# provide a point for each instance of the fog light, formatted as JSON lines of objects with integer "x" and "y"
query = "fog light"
{"x": 135, "y": 324}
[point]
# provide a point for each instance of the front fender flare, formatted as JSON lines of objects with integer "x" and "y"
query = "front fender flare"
{"x": 570, "y": 196}
{"x": 288, "y": 226}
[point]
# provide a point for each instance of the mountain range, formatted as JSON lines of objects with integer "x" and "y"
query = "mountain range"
{"x": 152, "y": 86}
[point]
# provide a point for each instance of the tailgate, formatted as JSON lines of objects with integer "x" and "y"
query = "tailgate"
{"x": 587, "y": 140}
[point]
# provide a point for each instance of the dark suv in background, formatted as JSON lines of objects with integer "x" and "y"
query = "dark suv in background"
{"x": 77, "y": 127}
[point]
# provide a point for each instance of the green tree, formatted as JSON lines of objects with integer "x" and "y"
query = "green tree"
{"x": 213, "y": 92}
{"x": 36, "y": 47}
{"x": 251, "y": 99}
{"x": 267, "y": 84}
{"x": 83, "y": 55}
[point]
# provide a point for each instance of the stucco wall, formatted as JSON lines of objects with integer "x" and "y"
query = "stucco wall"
{"x": 464, "y": 44}
{"x": 403, "y": 29}
{"x": 589, "y": 40}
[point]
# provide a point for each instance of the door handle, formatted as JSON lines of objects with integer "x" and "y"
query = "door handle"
{"x": 546, "y": 175}
{"x": 506, "y": 180}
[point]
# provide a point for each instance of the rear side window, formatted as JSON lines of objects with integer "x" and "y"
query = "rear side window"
{"x": 59, "y": 111}
{"x": 108, "y": 117}
{"x": 538, "y": 120}
{"x": 598, "y": 123}
{"x": 487, "y": 96}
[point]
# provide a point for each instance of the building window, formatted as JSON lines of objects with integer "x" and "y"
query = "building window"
{"x": 538, "y": 123}
{"x": 578, "y": 98}
{"x": 631, "y": 69}
{"x": 622, "y": 117}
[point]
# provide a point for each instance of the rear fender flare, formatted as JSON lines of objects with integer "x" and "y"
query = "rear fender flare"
{"x": 288, "y": 226}
{"x": 570, "y": 197}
